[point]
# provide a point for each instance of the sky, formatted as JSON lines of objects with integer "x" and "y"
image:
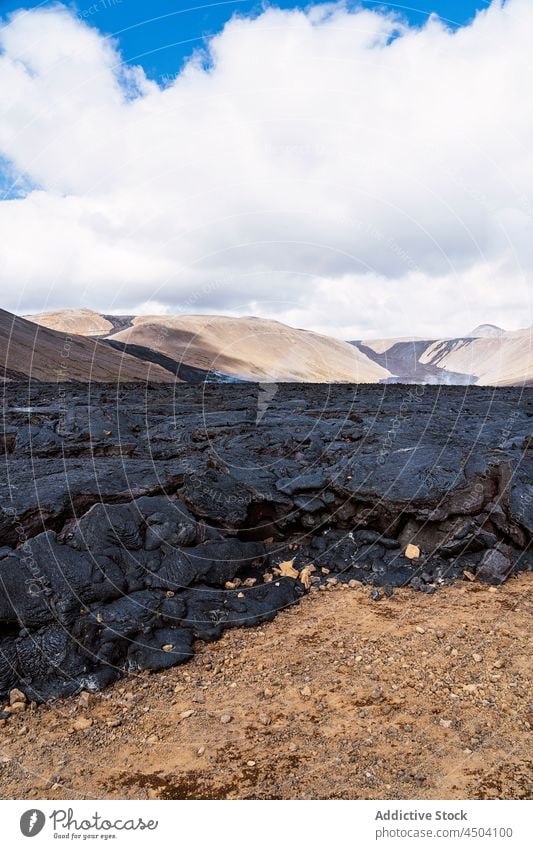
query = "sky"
{"x": 357, "y": 169}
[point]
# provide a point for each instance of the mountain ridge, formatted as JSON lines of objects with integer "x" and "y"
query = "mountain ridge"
{"x": 250, "y": 348}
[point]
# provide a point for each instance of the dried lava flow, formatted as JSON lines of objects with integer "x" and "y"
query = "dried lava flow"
{"x": 134, "y": 521}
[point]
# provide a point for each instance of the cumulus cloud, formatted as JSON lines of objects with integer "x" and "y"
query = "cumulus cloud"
{"x": 334, "y": 168}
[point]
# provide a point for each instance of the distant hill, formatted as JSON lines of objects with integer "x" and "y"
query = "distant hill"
{"x": 488, "y": 356}
{"x": 29, "y": 350}
{"x": 253, "y": 349}
{"x": 487, "y": 331}
{"x": 194, "y": 347}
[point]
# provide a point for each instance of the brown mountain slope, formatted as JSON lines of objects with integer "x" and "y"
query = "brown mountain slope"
{"x": 82, "y": 321}
{"x": 252, "y": 348}
{"x": 488, "y": 356}
{"x": 27, "y": 349}
{"x": 504, "y": 360}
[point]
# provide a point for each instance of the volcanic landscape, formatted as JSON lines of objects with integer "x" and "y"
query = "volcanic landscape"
{"x": 140, "y": 520}
{"x": 136, "y": 521}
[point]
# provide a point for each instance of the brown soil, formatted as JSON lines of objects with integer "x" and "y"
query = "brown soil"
{"x": 413, "y": 697}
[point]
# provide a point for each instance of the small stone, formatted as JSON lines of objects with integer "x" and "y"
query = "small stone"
{"x": 17, "y": 707}
{"x": 16, "y": 696}
{"x": 420, "y": 630}
{"x": 167, "y": 647}
{"x": 250, "y": 763}
{"x": 446, "y": 723}
{"x": 412, "y": 552}
{"x": 185, "y": 714}
{"x": 82, "y": 724}
{"x": 439, "y": 634}
{"x": 225, "y": 718}
{"x": 305, "y": 691}
{"x": 375, "y": 594}
{"x": 477, "y": 658}
{"x": 153, "y": 738}
{"x": 498, "y": 664}
{"x": 200, "y": 751}
{"x": 264, "y": 719}
{"x": 85, "y": 699}
{"x": 113, "y": 723}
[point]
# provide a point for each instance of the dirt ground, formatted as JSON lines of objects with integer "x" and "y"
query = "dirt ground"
{"x": 415, "y": 697}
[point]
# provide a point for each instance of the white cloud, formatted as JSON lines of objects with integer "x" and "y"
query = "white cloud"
{"x": 338, "y": 170}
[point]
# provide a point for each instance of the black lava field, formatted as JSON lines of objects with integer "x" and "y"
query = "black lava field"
{"x": 136, "y": 520}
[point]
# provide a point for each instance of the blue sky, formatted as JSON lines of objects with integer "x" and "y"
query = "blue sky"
{"x": 161, "y": 34}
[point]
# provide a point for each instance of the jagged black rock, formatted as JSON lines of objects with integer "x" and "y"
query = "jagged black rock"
{"x": 126, "y": 513}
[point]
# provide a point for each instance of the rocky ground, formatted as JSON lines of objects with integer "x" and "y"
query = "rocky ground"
{"x": 415, "y": 696}
{"x": 139, "y": 520}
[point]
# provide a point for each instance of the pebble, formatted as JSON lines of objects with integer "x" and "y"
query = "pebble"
{"x": 82, "y": 724}
{"x": 305, "y": 691}
{"x": 250, "y": 763}
{"x": 113, "y": 723}
{"x": 17, "y": 707}
{"x": 85, "y": 699}
{"x": 200, "y": 751}
{"x": 16, "y": 697}
{"x": 477, "y": 658}
{"x": 264, "y": 719}
{"x": 225, "y": 718}
{"x": 420, "y": 630}
{"x": 185, "y": 714}
{"x": 412, "y": 551}
{"x": 153, "y": 738}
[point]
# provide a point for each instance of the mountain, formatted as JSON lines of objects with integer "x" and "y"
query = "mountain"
{"x": 81, "y": 321}
{"x": 223, "y": 348}
{"x": 505, "y": 360}
{"x": 488, "y": 356}
{"x": 487, "y": 330}
{"x": 251, "y": 348}
{"x": 28, "y": 350}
